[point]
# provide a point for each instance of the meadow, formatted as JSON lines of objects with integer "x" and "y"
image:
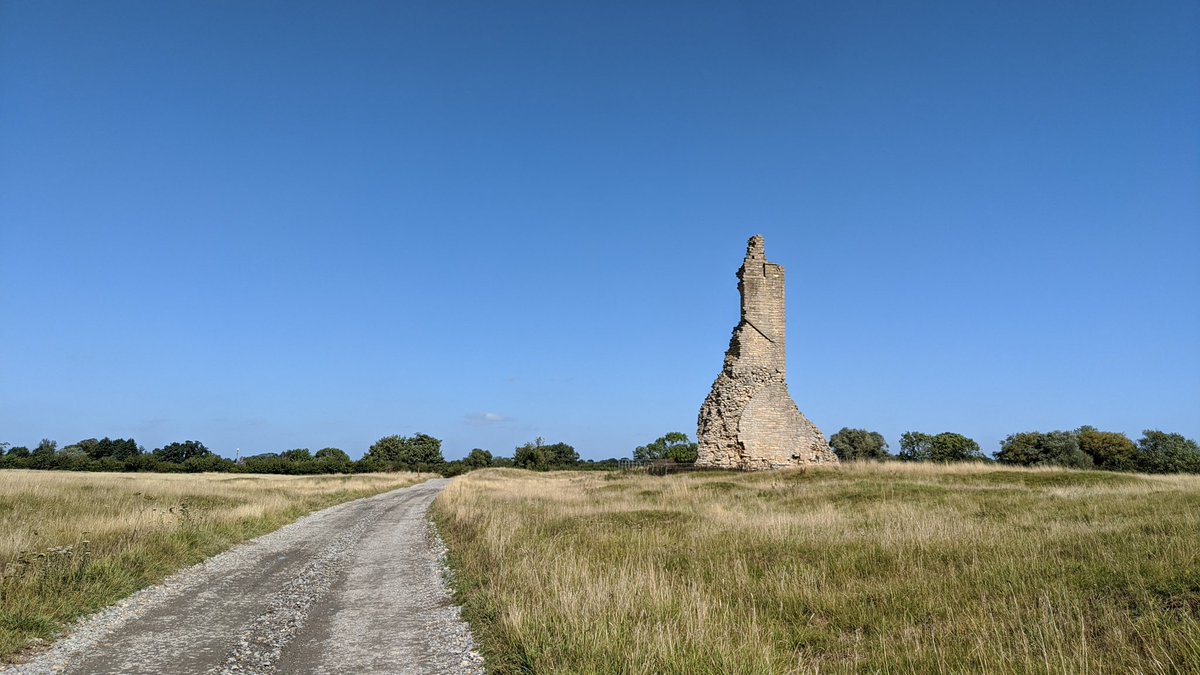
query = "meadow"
{"x": 72, "y": 543}
{"x": 893, "y": 567}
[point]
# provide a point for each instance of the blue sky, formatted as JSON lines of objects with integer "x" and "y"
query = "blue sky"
{"x": 304, "y": 224}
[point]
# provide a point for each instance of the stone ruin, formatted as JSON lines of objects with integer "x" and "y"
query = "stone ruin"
{"x": 749, "y": 420}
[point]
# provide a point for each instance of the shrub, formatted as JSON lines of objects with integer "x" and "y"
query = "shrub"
{"x": 674, "y": 445}
{"x": 404, "y": 453}
{"x": 538, "y": 456}
{"x": 1109, "y": 450}
{"x": 944, "y": 447}
{"x": 1055, "y": 448}
{"x": 1161, "y": 452}
{"x": 178, "y": 453}
{"x": 455, "y": 468}
{"x": 852, "y": 444}
{"x": 478, "y": 458}
{"x": 209, "y": 462}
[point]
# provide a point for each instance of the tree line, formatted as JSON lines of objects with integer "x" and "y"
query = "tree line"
{"x": 1084, "y": 448}
{"x": 124, "y": 454}
{"x": 419, "y": 452}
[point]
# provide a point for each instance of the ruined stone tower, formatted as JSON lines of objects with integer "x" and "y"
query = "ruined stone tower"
{"x": 749, "y": 420}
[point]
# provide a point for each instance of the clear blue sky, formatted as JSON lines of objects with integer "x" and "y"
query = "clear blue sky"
{"x": 303, "y": 224}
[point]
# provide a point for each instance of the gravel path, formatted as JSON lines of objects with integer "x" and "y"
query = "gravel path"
{"x": 357, "y": 588}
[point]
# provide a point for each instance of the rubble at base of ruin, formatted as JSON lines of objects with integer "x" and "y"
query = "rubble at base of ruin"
{"x": 749, "y": 420}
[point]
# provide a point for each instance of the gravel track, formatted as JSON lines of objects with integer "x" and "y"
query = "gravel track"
{"x": 356, "y": 588}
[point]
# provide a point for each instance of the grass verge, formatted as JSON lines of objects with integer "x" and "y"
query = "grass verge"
{"x": 881, "y": 568}
{"x": 72, "y": 543}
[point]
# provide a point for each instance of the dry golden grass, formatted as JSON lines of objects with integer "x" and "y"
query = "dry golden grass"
{"x": 71, "y": 543}
{"x": 893, "y": 567}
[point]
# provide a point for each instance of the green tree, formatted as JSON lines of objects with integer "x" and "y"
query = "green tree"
{"x": 1161, "y": 452}
{"x": 86, "y": 447}
{"x": 1109, "y": 450}
{"x": 944, "y": 447}
{"x": 178, "y": 453}
{"x": 389, "y": 449}
{"x": 73, "y": 451}
{"x": 333, "y": 455}
{"x": 562, "y": 455}
{"x": 46, "y": 447}
{"x": 532, "y": 456}
{"x": 141, "y": 462}
{"x": 1020, "y": 449}
{"x": 265, "y": 462}
{"x": 296, "y": 455}
{"x": 674, "y": 445}
{"x": 914, "y": 446}
{"x": 420, "y": 452}
{"x": 118, "y": 448}
{"x": 478, "y": 458}
{"x": 18, "y": 451}
{"x": 454, "y": 468}
{"x": 331, "y": 460}
{"x": 855, "y": 444}
{"x": 369, "y": 465}
{"x": 538, "y": 456}
{"x": 1054, "y": 448}
{"x": 952, "y": 447}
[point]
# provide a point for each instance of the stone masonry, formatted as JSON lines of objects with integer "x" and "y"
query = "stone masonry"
{"x": 749, "y": 420}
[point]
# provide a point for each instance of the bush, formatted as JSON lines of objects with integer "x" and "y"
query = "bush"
{"x": 141, "y": 463}
{"x": 1109, "y": 450}
{"x": 674, "y": 445}
{"x": 856, "y": 444}
{"x": 209, "y": 462}
{"x": 266, "y": 462}
{"x": 297, "y": 455}
{"x": 944, "y": 447}
{"x": 120, "y": 448}
{"x": 370, "y": 465}
{"x": 478, "y": 458}
{"x": 111, "y": 464}
{"x": 1055, "y": 448}
{"x": 332, "y": 460}
{"x": 400, "y": 453}
{"x": 332, "y": 455}
{"x": 538, "y": 456}
{"x": 1161, "y": 452}
{"x": 455, "y": 468}
{"x": 178, "y": 453}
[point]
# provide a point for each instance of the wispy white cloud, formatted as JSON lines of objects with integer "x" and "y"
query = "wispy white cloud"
{"x": 480, "y": 418}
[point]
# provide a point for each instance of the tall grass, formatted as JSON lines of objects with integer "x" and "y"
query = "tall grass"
{"x": 883, "y": 568}
{"x": 71, "y": 543}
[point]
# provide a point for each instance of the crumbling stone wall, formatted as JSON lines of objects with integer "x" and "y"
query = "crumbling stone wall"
{"x": 749, "y": 420}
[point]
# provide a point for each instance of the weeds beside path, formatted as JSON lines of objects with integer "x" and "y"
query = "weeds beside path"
{"x": 892, "y": 567}
{"x": 72, "y": 543}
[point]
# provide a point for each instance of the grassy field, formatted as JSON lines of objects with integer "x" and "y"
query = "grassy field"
{"x": 71, "y": 543}
{"x": 878, "y": 568}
